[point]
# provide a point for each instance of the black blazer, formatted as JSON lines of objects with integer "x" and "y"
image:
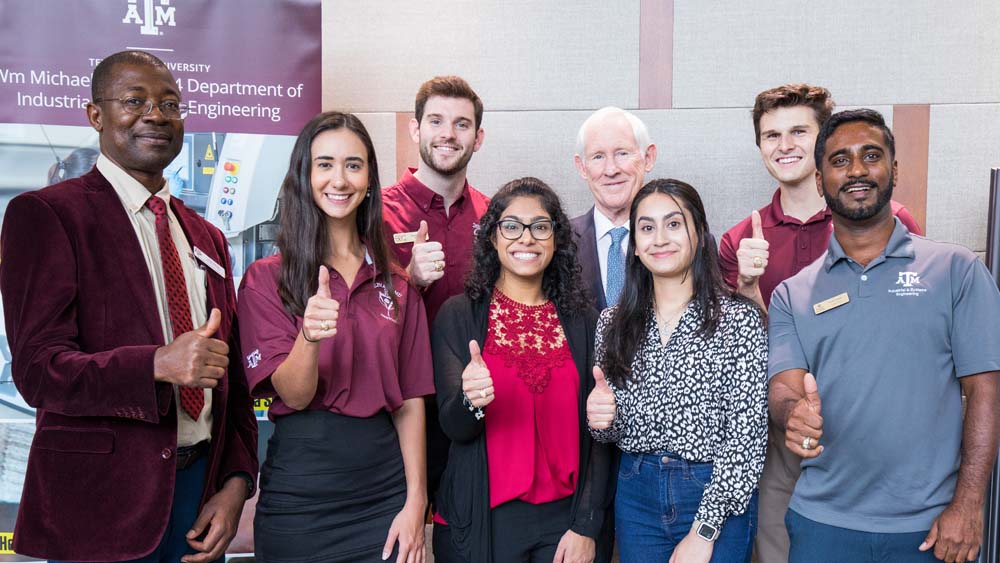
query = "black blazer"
{"x": 586, "y": 243}
{"x": 463, "y": 498}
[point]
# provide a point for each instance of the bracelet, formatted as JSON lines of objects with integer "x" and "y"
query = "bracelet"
{"x": 480, "y": 412}
{"x": 306, "y": 337}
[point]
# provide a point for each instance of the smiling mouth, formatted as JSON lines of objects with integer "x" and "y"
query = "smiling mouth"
{"x": 856, "y": 188}
{"x": 789, "y": 159}
{"x": 447, "y": 148}
{"x": 525, "y": 255}
{"x": 337, "y": 198}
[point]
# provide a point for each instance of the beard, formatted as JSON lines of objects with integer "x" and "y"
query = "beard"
{"x": 427, "y": 155}
{"x": 864, "y": 212}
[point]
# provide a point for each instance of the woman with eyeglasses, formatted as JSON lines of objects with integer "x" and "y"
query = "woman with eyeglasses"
{"x": 682, "y": 392}
{"x": 512, "y": 360}
{"x": 334, "y": 333}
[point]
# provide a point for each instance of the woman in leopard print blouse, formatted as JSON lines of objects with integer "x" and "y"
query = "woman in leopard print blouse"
{"x": 682, "y": 392}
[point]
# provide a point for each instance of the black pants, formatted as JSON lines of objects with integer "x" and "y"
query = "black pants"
{"x": 521, "y": 533}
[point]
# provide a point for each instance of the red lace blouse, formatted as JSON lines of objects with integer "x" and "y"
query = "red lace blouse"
{"x": 532, "y": 427}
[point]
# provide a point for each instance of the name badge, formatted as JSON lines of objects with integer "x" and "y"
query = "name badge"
{"x": 403, "y": 238}
{"x": 831, "y": 303}
{"x": 207, "y": 260}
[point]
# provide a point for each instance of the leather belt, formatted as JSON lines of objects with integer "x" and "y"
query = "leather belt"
{"x": 187, "y": 455}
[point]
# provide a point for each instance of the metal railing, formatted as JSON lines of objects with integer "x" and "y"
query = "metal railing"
{"x": 991, "y": 521}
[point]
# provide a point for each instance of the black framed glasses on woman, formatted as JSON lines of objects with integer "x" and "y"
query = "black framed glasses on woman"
{"x": 170, "y": 109}
{"x": 512, "y": 230}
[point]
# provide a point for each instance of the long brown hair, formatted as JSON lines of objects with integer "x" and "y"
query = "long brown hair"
{"x": 302, "y": 232}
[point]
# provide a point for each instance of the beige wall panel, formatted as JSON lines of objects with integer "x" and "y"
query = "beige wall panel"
{"x": 964, "y": 145}
{"x": 518, "y": 54}
{"x": 893, "y": 52}
{"x": 382, "y": 128}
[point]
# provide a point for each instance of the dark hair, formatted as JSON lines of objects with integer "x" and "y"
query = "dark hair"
{"x": 626, "y": 330}
{"x": 76, "y": 164}
{"x": 447, "y": 87}
{"x": 791, "y": 95}
{"x": 103, "y": 70}
{"x": 561, "y": 282}
{"x": 302, "y": 232}
{"x": 866, "y": 115}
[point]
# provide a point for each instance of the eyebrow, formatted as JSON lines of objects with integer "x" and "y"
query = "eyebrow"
{"x": 665, "y": 217}
{"x": 140, "y": 89}
{"x": 348, "y": 159}
{"x": 793, "y": 127}
{"x": 864, "y": 148}
{"x": 534, "y": 219}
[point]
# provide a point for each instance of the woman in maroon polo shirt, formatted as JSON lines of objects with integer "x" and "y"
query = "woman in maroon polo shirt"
{"x": 512, "y": 361}
{"x": 332, "y": 331}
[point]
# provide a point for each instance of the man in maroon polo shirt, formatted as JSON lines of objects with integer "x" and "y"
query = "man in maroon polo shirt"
{"x": 773, "y": 244}
{"x": 436, "y": 202}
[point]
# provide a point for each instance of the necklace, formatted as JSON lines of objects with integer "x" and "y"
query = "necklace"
{"x": 667, "y": 324}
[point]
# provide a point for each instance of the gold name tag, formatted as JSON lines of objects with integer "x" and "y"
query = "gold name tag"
{"x": 403, "y": 238}
{"x": 831, "y": 303}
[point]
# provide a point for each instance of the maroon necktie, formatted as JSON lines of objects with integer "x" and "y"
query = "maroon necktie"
{"x": 192, "y": 399}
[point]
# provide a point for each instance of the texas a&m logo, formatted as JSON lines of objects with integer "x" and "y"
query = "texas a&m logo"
{"x": 152, "y": 16}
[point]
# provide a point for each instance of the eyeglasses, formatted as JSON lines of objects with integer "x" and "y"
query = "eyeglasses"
{"x": 512, "y": 230}
{"x": 141, "y": 106}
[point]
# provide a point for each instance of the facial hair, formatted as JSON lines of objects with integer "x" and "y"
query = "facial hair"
{"x": 865, "y": 212}
{"x": 427, "y": 155}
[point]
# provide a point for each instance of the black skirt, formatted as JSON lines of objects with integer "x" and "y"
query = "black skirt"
{"x": 329, "y": 489}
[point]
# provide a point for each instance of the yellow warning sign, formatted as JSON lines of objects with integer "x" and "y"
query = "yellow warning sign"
{"x": 209, "y": 155}
{"x": 7, "y": 543}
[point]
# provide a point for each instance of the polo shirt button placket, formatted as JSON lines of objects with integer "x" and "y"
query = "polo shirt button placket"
{"x": 864, "y": 286}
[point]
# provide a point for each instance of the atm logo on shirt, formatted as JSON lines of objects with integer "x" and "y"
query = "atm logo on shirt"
{"x": 253, "y": 358}
{"x": 907, "y": 283}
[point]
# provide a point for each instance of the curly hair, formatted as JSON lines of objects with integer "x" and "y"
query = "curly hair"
{"x": 562, "y": 281}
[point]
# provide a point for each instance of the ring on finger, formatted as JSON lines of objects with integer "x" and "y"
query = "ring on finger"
{"x": 483, "y": 394}
{"x": 438, "y": 265}
{"x": 758, "y": 262}
{"x": 807, "y": 443}
{"x": 324, "y": 326}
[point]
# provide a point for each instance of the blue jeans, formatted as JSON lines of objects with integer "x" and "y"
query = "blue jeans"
{"x": 813, "y": 542}
{"x": 183, "y": 512}
{"x": 657, "y": 499}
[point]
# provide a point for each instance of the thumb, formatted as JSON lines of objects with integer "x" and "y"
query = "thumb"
{"x": 323, "y": 288}
{"x": 812, "y": 391}
{"x": 758, "y": 231}
{"x": 212, "y": 324}
{"x": 422, "y": 233}
{"x": 476, "y": 355}
{"x": 599, "y": 378}
{"x": 931, "y": 538}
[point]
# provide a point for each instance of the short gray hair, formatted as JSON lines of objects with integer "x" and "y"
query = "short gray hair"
{"x": 639, "y": 130}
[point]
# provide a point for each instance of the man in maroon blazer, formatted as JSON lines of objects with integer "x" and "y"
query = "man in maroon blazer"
{"x": 119, "y": 303}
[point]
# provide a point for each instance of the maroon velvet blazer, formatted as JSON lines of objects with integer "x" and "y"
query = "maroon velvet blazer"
{"x": 83, "y": 327}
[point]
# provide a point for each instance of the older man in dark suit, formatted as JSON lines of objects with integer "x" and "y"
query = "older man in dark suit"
{"x": 119, "y": 306}
{"x": 614, "y": 152}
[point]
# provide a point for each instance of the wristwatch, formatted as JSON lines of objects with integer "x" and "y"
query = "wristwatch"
{"x": 706, "y": 531}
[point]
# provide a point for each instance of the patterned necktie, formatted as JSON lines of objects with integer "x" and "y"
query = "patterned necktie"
{"x": 616, "y": 266}
{"x": 178, "y": 304}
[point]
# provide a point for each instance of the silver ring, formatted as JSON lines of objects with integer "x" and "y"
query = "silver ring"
{"x": 807, "y": 443}
{"x": 758, "y": 262}
{"x": 324, "y": 326}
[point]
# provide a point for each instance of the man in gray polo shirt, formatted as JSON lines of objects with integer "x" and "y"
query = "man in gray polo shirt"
{"x": 896, "y": 328}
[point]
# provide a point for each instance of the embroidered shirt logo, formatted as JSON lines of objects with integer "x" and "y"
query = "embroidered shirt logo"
{"x": 383, "y": 298}
{"x": 475, "y": 230}
{"x": 152, "y": 16}
{"x": 908, "y": 285}
{"x": 253, "y": 358}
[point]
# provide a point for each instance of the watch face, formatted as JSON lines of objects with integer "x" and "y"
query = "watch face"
{"x": 708, "y": 531}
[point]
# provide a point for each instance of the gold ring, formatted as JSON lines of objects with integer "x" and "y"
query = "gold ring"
{"x": 439, "y": 265}
{"x": 758, "y": 262}
{"x": 807, "y": 443}
{"x": 324, "y": 326}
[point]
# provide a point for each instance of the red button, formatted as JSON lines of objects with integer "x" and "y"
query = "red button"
{"x": 167, "y": 453}
{"x": 228, "y": 166}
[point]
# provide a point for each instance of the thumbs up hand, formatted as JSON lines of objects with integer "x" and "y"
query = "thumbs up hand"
{"x": 476, "y": 381}
{"x": 601, "y": 403}
{"x": 319, "y": 320}
{"x": 427, "y": 261}
{"x": 752, "y": 254}
{"x": 195, "y": 358}
{"x": 805, "y": 425}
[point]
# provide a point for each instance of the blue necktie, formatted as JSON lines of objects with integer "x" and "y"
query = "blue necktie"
{"x": 616, "y": 266}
